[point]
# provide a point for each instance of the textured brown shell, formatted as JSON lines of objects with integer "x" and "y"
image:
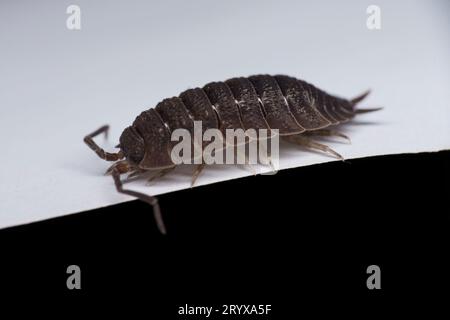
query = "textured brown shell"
{"x": 278, "y": 102}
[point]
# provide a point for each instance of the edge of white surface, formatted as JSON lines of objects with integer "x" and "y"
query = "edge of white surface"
{"x": 204, "y": 184}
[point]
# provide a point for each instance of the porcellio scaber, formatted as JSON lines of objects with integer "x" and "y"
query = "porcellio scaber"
{"x": 297, "y": 109}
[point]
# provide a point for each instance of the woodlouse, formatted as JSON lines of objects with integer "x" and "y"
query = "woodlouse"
{"x": 294, "y": 107}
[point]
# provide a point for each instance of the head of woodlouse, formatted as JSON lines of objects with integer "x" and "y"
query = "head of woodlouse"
{"x": 132, "y": 146}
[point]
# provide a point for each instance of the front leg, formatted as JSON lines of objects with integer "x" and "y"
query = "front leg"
{"x": 122, "y": 167}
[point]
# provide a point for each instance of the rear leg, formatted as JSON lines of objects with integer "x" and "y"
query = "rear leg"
{"x": 265, "y": 157}
{"x": 311, "y": 144}
{"x": 328, "y": 133}
{"x": 159, "y": 174}
{"x": 198, "y": 169}
{"x": 135, "y": 175}
{"x": 242, "y": 155}
{"x": 248, "y": 166}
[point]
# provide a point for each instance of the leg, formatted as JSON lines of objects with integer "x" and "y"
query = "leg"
{"x": 198, "y": 170}
{"x": 328, "y": 133}
{"x": 308, "y": 143}
{"x": 135, "y": 174}
{"x": 143, "y": 197}
{"x": 159, "y": 174}
{"x": 265, "y": 157}
{"x": 99, "y": 151}
{"x": 246, "y": 165}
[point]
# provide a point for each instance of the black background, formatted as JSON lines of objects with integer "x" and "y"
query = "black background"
{"x": 301, "y": 239}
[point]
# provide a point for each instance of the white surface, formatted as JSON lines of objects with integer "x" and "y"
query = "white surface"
{"x": 57, "y": 85}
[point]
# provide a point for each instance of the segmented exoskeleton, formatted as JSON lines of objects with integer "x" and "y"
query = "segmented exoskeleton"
{"x": 294, "y": 107}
